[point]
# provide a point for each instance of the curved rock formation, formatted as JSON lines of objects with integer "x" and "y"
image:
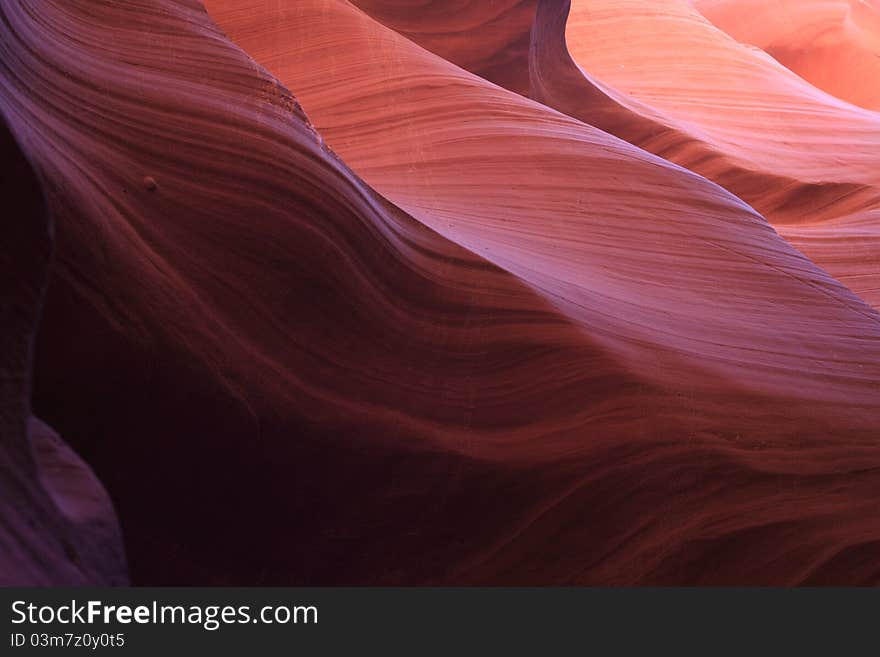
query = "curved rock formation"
{"x": 835, "y": 211}
{"x": 490, "y": 39}
{"x": 631, "y": 248}
{"x": 57, "y": 525}
{"x": 520, "y": 350}
{"x": 737, "y": 99}
{"x": 691, "y": 94}
{"x": 280, "y": 376}
{"x": 835, "y": 44}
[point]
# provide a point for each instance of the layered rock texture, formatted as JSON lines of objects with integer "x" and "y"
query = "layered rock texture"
{"x": 386, "y": 292}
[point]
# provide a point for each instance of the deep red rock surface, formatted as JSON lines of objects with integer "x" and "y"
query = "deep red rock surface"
{"x": 328, "y": 307}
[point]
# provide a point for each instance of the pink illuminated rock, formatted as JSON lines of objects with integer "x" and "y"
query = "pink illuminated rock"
{"x": 327, "y": 308}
